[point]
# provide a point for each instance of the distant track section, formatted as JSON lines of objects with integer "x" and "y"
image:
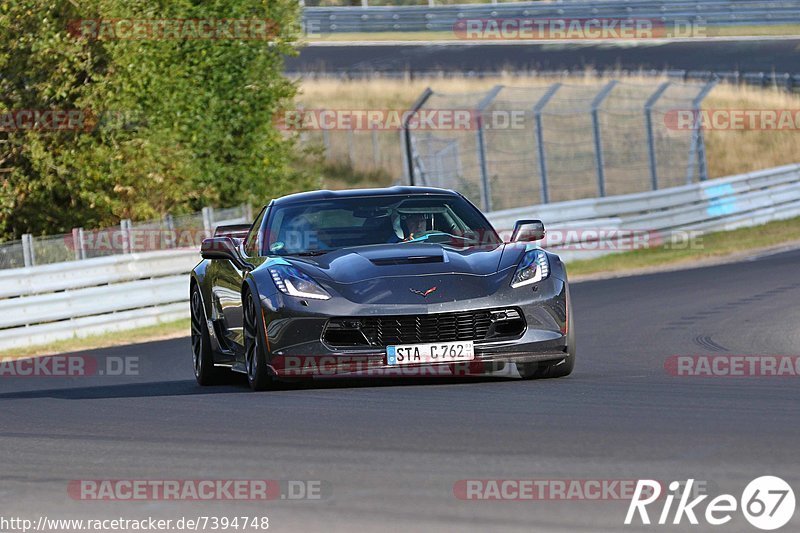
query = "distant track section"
{"x": 768, "y": 55}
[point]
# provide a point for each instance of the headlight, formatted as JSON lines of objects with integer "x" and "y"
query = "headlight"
{"x": 533, "y": 267}
{"x": 291, "y": 281}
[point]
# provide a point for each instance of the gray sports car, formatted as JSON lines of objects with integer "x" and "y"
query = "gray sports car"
{"x": 378, "y": 282}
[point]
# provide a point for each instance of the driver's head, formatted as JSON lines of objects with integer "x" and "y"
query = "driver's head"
{"x": 415, "y": 223}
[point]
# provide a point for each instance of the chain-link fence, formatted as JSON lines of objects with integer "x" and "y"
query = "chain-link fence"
{"x": 560, "y": 142}
{"x": 169, "y": 232}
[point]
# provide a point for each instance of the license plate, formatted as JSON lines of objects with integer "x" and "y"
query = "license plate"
{"x": 442, "y": 352}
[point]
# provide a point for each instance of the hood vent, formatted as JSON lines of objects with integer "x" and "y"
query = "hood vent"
{"x": 407, "y": 260}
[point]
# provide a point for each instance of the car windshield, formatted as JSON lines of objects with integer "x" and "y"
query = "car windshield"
{"x": 316, "y": 227}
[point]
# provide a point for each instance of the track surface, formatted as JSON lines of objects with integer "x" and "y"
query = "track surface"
{"x": 392, "y": 451}
{"x": 768, "y": 55}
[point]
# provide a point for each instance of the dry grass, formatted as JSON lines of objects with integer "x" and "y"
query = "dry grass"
{"x": 734, "y": 152}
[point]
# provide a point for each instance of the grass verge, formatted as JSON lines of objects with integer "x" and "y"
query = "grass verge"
{"x": 708, "y": 247}
{"x": 167, "y": 330}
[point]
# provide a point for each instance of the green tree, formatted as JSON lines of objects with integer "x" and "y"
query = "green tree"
{"x": 178, "y": 123}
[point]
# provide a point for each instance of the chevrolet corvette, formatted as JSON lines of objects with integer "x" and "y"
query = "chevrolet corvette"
{"x": 342, "y": 282}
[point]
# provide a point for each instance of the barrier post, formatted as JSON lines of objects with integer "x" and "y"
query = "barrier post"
{"x": 598, "y": 145}
{"x": 486, "y": 187}
{"x": 651, "y": 143}
{"x": 537, "y": 117}
{"x": 28, "y": 254}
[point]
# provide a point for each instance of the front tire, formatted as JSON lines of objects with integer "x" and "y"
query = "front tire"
{"x": 202, "y": 357}
{"x": 258, "y": 376}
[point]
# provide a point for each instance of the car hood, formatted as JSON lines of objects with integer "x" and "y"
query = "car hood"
{"x": 411, "y": 273}
{"x": 356, "y": 265}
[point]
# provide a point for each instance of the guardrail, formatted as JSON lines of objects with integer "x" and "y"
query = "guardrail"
{"x": 129, "y": 237}
{"x": 59, "y": 301}
{"x": 47, "y": 303}
{"x": 716, "y": 205}
{"x": 442, "y": 18}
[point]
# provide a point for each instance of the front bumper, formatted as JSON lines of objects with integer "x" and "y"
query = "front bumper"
{"x": 296, "y": 347}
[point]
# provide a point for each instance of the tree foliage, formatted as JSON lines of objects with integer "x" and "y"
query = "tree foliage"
{"x": 171, "y": 124}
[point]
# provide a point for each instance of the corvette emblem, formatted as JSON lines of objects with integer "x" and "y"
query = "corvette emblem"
{"x": 423, "y": 294}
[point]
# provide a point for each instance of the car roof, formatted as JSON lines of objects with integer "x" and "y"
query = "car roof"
{"x": 361, "y": 193}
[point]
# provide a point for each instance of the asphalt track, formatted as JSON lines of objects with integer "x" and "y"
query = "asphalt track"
{"x": 744, "y": 55}
{"x": 390, "y": 452}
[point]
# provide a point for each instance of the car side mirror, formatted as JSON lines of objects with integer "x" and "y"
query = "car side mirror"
{"x": 528, "y": 231}
{"x": 223, "y": 248}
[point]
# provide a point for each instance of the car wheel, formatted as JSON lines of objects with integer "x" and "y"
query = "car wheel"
{"x": 204, "y": 370}
{"x": 255, "y": 359}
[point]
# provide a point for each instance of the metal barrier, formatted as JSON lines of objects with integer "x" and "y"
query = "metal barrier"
{"x": 51, "y": 302}
{"x": 43, "y": 304}
{"x": 321, "y": 20}
{"x": 715, "y": 205}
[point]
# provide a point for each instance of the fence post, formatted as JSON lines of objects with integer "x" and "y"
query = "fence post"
{"x": 404, "y": 156}
{"x": 651, "y": 144}
{"x": 125, "y": 227}
{"x": 537, "y": 117}
{"x": 81, "y": 244}
{"x": 247, "y": 209}
{"x": 208, "y": 220}
{"x": 406, "y": 132}
{"x": 598, "y": 145}
{"x": 697, "y": 137}
{"x": 28, "y": 254}
{"x": 75, "y": 244}
{"x": 486, "y": 188}
{"x": 171, "y": 238}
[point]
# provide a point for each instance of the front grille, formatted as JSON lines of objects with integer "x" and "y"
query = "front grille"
{"x": 381, "y": 331}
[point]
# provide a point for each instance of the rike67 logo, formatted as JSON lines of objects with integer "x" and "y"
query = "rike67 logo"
{"x": 767, "y": 502}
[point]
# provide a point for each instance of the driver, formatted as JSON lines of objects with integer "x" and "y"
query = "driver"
{"x": 414, "y": 225}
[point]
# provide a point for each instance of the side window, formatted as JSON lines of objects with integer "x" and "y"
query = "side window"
{"x": 251, "y": 243}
